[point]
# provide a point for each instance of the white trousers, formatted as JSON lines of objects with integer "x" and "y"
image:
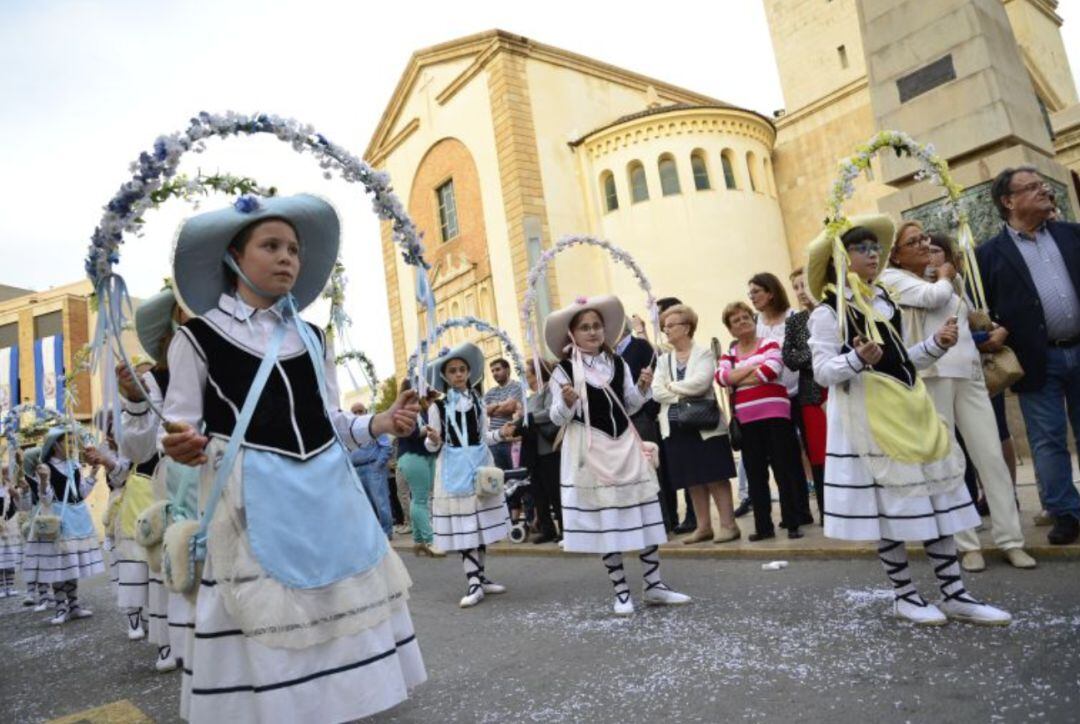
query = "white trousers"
{"x": 965, "y": 404}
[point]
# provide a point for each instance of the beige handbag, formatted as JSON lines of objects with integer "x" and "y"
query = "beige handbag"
{"x": 1001, "y": 370}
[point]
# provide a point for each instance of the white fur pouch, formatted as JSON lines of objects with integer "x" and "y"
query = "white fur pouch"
{"x": 489, "y": 481}
{"x": 652, "y": 453}
{"x": 179, "y": 569}
{"x": 151, "y": 524}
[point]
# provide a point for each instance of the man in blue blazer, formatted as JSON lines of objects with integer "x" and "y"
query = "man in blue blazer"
{"x": 1031, "y": 274}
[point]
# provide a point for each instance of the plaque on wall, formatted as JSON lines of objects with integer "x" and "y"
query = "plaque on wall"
{"x": 926, "y": 78}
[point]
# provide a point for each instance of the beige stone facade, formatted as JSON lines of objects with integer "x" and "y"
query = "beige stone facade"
{"x": 490, "y": 113}
{"x": 540, "y": 142}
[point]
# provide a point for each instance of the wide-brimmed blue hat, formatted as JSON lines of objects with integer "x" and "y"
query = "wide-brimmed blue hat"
{"x": 153, "y": 320}
{"x": 51, "y": 437}
{"x": 468, "y": 352}
{"x": 199, "y": 277}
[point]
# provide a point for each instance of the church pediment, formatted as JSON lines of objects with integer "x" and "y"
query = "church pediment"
{"x": 450, "y": 268}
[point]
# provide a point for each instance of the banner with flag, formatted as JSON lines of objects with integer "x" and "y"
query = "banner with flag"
{"x": 9, "y": 378}
{"x": 49, "y": 372}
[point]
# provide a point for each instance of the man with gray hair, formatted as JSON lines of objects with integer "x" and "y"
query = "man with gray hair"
{"x": 1031, "y": 274}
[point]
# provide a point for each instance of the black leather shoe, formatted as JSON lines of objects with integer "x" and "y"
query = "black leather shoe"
{"x": 755, "y": 537}
{"x": 548, "y": 537}
{"x": 687, "y": 526}
{"x": 1065, "y": 531}
{"x": 794, "y": 533}
{"x": 744, "y": 508}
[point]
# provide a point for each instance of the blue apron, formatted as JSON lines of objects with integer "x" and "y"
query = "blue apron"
{"x": 459, "y": 464}
{"x": 75, "y": 521}
{"x": 308, "y": 521}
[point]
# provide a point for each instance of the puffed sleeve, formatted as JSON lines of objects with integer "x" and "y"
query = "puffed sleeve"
{"x": 138, "y": 439}
{"x": 560, "y": 413}
{"x": 832, "y": 365}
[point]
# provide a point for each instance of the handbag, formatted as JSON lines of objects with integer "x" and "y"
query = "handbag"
{"x": 695, "y": 413}
{"x": 734, "y": 427}
{"x": 1001, "y": 370}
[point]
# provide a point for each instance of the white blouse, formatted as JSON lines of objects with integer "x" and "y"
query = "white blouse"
{"x": 599, "y": 371}
{"x": 251, "y": 328}
{"x": 464, "y": 402}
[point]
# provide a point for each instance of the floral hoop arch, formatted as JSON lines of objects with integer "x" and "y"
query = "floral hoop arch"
{"x": 151, "y": 175}
{"x": 531, "y": 324}
{"x": 419, "y": 357}
{"x": 932, "y": 167}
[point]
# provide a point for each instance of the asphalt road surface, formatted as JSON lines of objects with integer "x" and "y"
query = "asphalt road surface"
{"x": 813, "y": 642}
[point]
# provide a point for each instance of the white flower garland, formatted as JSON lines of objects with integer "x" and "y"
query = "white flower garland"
{"x": 154, "y": 179}
{"x": 932, "y": 167}
{"x": 621, "y": 256}
{"x": 419, "y": 356}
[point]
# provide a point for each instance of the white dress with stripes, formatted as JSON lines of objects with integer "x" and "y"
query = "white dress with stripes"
{"x": 465, "y": 522}
{"x": 258, "y": 650}
{"x": 11, "y": 542}
{"x": 64, "y": 559}
{"x": 623, "y": 521}
{"x": 857, "y": 506}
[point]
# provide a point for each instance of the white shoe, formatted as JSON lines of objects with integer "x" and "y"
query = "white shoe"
{"x": 80, "y": 612}
{"x": 165, "y": 661}
{"x": 972, "y": 611}
{"x": 972, "y": 561}
{"x": 661, "y": 595}
{"x": 624, "y": 608}
{"x": 43, "y": 606}
{"x": 29, "y": 600}
{"x": 490, "y": 587}
{"x": 136, "y": 634}
{"x": 925, "y": 615}
{"x": 12, "y": 593}
{"x": 61, "y": 617}
{"x": 471, "y": 599}
{"x": 5, "y": 594}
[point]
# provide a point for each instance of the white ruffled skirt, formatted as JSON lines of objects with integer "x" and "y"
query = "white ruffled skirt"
{"x": 463, "y": 522}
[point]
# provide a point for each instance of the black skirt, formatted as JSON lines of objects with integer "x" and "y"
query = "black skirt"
{"x": 691, "y": 461}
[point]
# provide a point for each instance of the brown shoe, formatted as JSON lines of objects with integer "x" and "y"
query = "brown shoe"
{"x": 697, "y": 537}
{"x": 726, "y": 535}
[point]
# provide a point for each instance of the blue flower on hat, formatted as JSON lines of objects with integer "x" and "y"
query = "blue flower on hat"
{"x": 444, "y": 351}
{"x": 247, "y": 204}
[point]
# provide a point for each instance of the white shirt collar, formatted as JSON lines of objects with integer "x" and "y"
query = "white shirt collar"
{"x": 237, "y": 308}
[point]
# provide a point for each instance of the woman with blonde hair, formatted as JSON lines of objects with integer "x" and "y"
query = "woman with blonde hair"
{"x": 692, "y": 428}
{"x": 955, "y": 382}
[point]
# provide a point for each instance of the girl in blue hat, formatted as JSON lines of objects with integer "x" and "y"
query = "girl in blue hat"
{"x": 463, "y": 519}
{"x": 73, "y": 553}
{"x": 301, "y": 612}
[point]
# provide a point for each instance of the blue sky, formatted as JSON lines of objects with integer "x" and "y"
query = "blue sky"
{"x": 85, "y": 86}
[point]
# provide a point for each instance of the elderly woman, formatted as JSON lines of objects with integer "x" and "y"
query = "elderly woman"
{"x": 955, "y": 382}
{"x": 698, "y": 460}
{"x": 751, "y": 370}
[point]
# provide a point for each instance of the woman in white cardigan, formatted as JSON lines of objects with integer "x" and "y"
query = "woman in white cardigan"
{"x": 699, "y": 461}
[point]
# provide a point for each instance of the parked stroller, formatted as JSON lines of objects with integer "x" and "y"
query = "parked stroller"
{"x": 516, "y": 488}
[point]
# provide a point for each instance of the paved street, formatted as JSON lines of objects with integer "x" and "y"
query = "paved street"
{"x": 809, "y": 643}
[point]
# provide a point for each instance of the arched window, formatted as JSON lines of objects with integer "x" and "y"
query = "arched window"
{"x": 611, "y": 196}
{"x": 669, "y": 176}
{"x": 639, "y": 188}
{"x": 701, "y": 171}
{"x": 751, "y": 171}
{"x": 770, "y": 180}
{"x": 729, "y": 169}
